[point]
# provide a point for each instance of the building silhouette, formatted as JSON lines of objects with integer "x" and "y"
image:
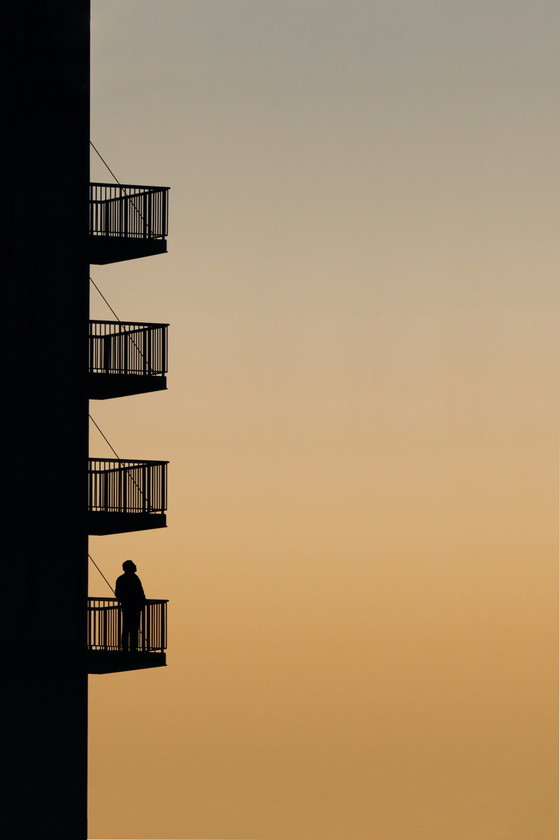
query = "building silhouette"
{"x": 54, "y": 225}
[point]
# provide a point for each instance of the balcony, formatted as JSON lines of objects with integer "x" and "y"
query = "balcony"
{"x": 126, "y": 496}
{"x": 104, "y": 630}
{"x": 126, "y": 358}
{"x": 126, "y": 222}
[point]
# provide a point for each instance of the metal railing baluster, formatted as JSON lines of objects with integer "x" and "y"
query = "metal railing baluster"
{"x": 105, "y": 625}
{"x": 128, "y": 211}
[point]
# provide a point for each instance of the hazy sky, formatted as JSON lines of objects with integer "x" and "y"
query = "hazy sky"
{"x": 363, "y": 294}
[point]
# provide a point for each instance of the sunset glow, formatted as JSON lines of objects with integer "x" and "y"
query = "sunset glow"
{"x": 361, "y": 419}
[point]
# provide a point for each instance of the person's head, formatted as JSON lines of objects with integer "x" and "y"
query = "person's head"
{"x": 129, "y": 566}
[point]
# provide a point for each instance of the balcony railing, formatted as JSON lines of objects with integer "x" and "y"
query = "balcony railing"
{"x": 127, "y": 221}
{"x": 104, "y": 628}
{"x": 105, "y": 653}
{"x": 128, "y": 347}
{"x": 126, "y": 495}
{"x": 127, "y": 486}
{"x": 126, "y": 358}
{"x": 129, "y": 211}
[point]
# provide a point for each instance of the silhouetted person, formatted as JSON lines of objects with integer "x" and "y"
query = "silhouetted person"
{"x": 130, "y": 594}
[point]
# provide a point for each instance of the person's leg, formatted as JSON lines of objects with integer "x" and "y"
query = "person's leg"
{"x": 133, "y": 626}
{"x": 127, "y": 634}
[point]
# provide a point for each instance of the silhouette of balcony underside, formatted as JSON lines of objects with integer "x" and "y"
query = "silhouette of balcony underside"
{"x": 113, "y": 661}
{"x": 104, "y": 653}
{"x": 102, "y": 523}
{"x": 126, "y": 496}
{"x": 126, "y": 222}
{"x": 125, "y": 358}
{"x": 106, "y": 386}
{"x": 104, "y": 250}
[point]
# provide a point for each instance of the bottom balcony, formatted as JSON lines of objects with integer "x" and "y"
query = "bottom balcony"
{"x": 105, "y": 653}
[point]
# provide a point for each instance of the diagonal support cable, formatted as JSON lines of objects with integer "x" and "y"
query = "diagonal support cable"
{"x": 113, "y": 591}
{"x": 102, "y": 575}
{"x": 131, "y": 197}
{"x": 104, "y": 162}
{"x": 116, "y": 454}
{"x": 106, "y": 439}
{"x": 130, "y": 337}
{"x": 94, "y": 284}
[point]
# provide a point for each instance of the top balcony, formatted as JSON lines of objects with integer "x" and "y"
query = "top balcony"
{"x": 126, "y": 222}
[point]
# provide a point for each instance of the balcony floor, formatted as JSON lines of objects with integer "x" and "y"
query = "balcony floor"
{"x": 101, "y": 522}
{"x": 111, "y": 249}
{"x": 113, "y": 661}
{"x": 106, "y": 386}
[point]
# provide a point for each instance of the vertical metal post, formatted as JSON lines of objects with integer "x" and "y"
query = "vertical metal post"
{"x": 125, "y": 342}
{"x": 123, "y": 474}
{"x": 147, "y": 356}
{"x": 124, "y": 204}
{"x": 145, "y": 489}
{"x": 107, "y": 353}
{"x": 164, "y": 213}
{"x": 104, "y": 482}
{"x": 147, "y": 635}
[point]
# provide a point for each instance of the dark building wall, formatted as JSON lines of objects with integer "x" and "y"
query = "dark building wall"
{"x": 44, "y": 375}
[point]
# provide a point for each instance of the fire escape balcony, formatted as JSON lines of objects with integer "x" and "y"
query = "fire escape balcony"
{"x": 105, "y": 652}
{"x": 126, "y": 222}
{"x": 126, "y": 358}
{"x": 126, "y": 496}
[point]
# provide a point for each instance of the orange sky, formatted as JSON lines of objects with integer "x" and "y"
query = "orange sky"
{"x": 361, "y": 420}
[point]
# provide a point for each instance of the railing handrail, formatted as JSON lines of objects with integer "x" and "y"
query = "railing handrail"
{"x": 115, "y": 601}
{"x": 142, "y": 324}
{"x": 126, "y": 463}
{"x": 145, "y": 189}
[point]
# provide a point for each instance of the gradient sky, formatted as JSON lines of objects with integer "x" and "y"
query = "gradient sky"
{"x": 361, "y": 422}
